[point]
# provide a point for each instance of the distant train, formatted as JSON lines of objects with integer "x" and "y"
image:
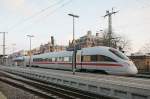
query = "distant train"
{"x": 100, "y": 58}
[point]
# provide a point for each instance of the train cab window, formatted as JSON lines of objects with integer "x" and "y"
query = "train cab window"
{"x": 119, "y": 54}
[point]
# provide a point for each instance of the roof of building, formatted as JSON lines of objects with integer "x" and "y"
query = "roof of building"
{"x": 140, "y": 54}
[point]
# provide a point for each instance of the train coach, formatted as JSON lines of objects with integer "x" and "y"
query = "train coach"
{"x": 101, "y": 58}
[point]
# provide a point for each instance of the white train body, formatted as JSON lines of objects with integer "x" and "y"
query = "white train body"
{"x": 102, "y": 58}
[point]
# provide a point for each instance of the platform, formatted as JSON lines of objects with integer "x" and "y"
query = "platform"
{"x": 114, "y": 86}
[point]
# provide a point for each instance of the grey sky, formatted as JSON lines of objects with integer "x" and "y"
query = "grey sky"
{"x": 19, "y": 18}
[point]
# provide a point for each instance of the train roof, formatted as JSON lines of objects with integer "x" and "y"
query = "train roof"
{"x": 85, "y": 51}
{"x": 94, "y": 50}
{"x": 54, "y": 54}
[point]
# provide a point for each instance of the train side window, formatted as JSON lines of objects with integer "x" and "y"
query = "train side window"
{"x": 34, "y": 59}
{"x": 70, "y": 58}
{"x": 40, "y": 59}
{"x": 86, "y": 58}
{"x": 50, "y": 59}
{"x": 53, "y": 59}
{"x": 66, "y": 59}
{"x": 94, "y": 58}
{"x": 62, "y": 59}
{"x": 46, "y": 59}
{"x": 56, "y": 59}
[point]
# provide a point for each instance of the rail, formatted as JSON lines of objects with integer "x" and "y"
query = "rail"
{"x": 46, "y": 89}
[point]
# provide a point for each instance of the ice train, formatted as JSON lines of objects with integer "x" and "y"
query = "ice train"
{"x": 102, "y": 58}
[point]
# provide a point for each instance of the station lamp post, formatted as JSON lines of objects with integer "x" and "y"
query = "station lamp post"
{"x": 30, "y": 37}
{"x": 74, "y": 51}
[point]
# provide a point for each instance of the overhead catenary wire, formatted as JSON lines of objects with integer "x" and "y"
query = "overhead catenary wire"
{"x": 52, "y": 12}
{"x": 34, "y": 15}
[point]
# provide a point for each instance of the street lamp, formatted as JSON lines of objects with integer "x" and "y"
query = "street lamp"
{"x": 74, "y": 51}
{"x": 30, "y": 36}
{"x": 74, "y": 16}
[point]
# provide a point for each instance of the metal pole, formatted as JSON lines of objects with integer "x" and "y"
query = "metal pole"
{"x": 4, "y": 44}
{"x": 109, "y": 14}
{"x": 30, "y": 36}
{"x": 110, "y": 28}
{"x": 73, "y": 31}
{"x": 74, "y": 56}
{"x": 3, "y": 60}
{"x": 74, "y": 51}
{"x": 30, "y": 53}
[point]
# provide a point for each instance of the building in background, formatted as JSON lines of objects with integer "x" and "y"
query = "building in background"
{"x": 142, "y": 61}
{"x": 48, "y": 47}
{"x": 88, "y": 40}
{"x": 43, "y": 48}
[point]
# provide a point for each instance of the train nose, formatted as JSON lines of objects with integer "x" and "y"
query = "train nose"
{"x": 132, "y": 68}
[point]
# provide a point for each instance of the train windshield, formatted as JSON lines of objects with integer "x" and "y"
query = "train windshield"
{"x": 119, "y": 54}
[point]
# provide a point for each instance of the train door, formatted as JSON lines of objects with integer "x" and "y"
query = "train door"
{"x": 78, "y": 60}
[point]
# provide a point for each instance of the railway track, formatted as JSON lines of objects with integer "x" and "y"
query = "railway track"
{"x": 45, "y": 89}
{"x": 142, "y": 75}
{"x": 147, "y": 76}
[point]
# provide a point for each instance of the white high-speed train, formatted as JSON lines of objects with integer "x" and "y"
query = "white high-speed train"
{"x": 100, "y": 58}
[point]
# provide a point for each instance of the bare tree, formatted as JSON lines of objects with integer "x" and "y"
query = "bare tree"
{"x": 145, "y": 48}
{"x": 117, "y": 41}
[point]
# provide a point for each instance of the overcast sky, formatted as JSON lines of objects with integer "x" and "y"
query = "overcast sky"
{"x": 45, "y": 18}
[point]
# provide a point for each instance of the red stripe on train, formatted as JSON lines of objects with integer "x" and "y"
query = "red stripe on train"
{"x": 95, "y": 64}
